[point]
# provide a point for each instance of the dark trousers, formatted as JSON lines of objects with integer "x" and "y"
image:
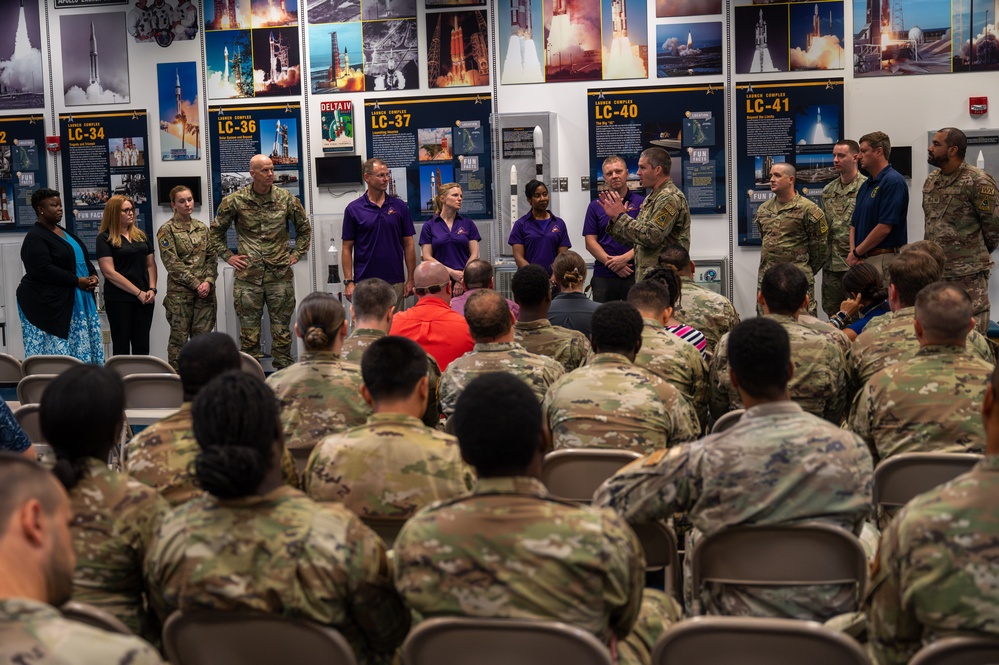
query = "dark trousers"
{"x": 130, "y": 324}
{"x": 606, "y": 289}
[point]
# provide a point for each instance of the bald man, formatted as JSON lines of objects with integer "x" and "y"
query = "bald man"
{"x": 261, "y": 212}
{"x": 431, "y": 323}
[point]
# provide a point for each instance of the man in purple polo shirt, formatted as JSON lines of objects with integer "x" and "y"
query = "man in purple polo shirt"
{"x": 378, "y": 236}
{"x": 614, "y": 270}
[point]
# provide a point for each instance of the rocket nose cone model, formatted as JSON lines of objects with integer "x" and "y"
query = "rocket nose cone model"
{"x": 538, "y": 146}
{"x": 513, "y": 193}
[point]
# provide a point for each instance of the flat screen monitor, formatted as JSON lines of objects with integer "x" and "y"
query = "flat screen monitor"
{"x": 165, "y": 184}
{"x": 338, "y": 170}
{"x": 901, "y": 159}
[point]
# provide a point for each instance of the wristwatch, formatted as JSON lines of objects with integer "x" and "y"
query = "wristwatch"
{"x": 347, "y": 281}
{"x": 855, "y": 253}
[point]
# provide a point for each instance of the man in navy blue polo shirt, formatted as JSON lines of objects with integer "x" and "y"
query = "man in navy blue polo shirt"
{"x": 614, "y": 270}
{"x": 378, "y": 236}
{"x": 878, "y": 227}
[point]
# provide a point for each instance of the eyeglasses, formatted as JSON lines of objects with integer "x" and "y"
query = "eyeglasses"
{"x": 128, "y": 211}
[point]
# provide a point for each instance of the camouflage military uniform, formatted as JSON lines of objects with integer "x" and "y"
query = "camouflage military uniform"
{"x": 962, "y": 216}
{"x": 280, "y": 553}
{"x": 33, "y": 633}
{"x": 568, "y": 347}
{"x": 820, "y": 383}
{"x": 388, "y": 467}
{"x": 359, "y": 340}
{"x": 611, "y": 403}
{"x": 838, "y": 201}
{"x": 509, "y": 550}
{"x": 793, "y": 232}
{"x": 938, "y": 568}
{"x": 262, "y": 230}
{"x": 320, "y": 395}
{"x": 663, "y": 219}
{"x": 539, "y": 372}
{"x": 114, "y": 518}
{"x": 926, "y": 404}
{"x": 677, "y": 361}
{"x": 777, "y": 465}
{"x": 188, "y": 262}
{"x": 160, "y": 456}
{"x": 709, "y": 312}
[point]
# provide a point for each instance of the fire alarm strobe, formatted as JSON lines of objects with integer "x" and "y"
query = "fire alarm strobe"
{"x": 978, "y": 105}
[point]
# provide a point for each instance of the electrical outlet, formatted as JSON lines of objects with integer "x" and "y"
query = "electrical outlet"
{"x": 584, "y": 183}
{"x": 563, "y": 184}
{"x": 105, "y": 337}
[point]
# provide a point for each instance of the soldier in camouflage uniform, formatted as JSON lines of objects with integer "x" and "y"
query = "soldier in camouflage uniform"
{"x": 532, "y": 292}
{"x": 611, "y": 403}
{"x": 838, "y": 199}
{"x": 491, "y": 326}
{"x": 509, "y": 550}
{"x": 191, "y": 271}
{"x": 820, "y": 381}
{"x": 35, "y": 580}
{"x": 321, "y": 393}
{"x": 699, "y": 307}
{"x": 261, "y": 212}
{"x": 663, "y": 218}
{"x": 794, "y": 230}
{"x": 777, "y": 465}
{"x": 254, "y": 544}
{"x": 928, "y": 403}
{"x": 393, "y": 464}
{"x": 961, "y": 209}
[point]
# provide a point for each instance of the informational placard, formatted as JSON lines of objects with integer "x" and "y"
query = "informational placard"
{"x": 104, "y": 154}
{"x": 688, "y": 122}
{"x": 338, "y": 126}
{"x": 22, "y": 169}
{"x": 429, "y": 141}
{"x": 797, "y": 123}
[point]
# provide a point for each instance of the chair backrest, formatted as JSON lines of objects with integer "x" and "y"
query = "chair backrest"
{"x": 899, "y": 478}
{"x": 153, "y": 391}
{"x": 661, "y": 553}
{"x": 251, "y": 365}
{"x": 755, "y": 641}
{"x": 48, "y": 364}
{"x": 727, "y": 421}
{"x": 450, "y": 641}
{"x": 243, "y": 638}
{"x": 94, "y": 616}
{"x": 387, "y": 528}
{"x": 10, "y": 369}
{"x": 28, "y": 418}
{"x": 779, "y": 555}
{"x": 125, "y": 365}
{"x": 31, "y": 387}
{"x": 576, "y": 473}
{"x": 959, "y": 651}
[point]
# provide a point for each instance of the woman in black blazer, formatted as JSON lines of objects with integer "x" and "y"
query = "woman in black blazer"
{"x": 55, "y": 299}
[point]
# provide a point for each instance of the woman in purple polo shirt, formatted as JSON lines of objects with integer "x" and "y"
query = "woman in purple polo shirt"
{"x": 449, "y": 238}
{"x": 539, "y": 236}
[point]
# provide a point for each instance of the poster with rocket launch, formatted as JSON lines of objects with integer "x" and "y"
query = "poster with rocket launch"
{"x": 520, "y": 45}
{"x": 688, "y": 49}
{"x": 229, "y": 59}
{"x": 669, "y": 8}
{"x": 277, "y": 68}
{"x": 796, "y": 36}
{"x": 625, "y": 39}
{"x": 335, "y": 58}
{"x": 274, "y": 13}
{"x": 916, "y": 37}
{"x": 20, "y": 56}
{"x": 338, "y": 126}
{"x": 94, "y": 59}
{"x": 572, "y": 40}
{"x": 180, "y": 119}
{"x": 22, "y": 169}
{"x": 458, "y": 55}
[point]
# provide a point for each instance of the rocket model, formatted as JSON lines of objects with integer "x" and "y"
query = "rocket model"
{"x": 538, "y": 147}
{"x": 520, "y": 16}
{"x": 95, "y": 74}
{"x": 513, "y": 194}
{"x": 619, "y": 18}
{"x": 177, "y": 92}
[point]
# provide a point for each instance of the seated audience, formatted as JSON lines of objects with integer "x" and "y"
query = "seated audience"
{"x": 532, "y": 290}
{"x": 478, "y": 274}
{"x": 866, "y": 299}
{"x": 570, "y": 308}
{"x": 700, "y": 307}
{"x": 668, "y": 277}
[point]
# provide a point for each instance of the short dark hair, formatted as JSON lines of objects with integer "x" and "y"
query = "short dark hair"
{"x": 373, "y": 298}
{"x": 488, "y": 315}
{"x": 40, "y": 195}
{"x": 759, "y": 353}
{"x": 649, "y": 296}
{"x": 878, "y": 140}
{"x": 23, "y": 479}
{"x": 204, "y": 357}
{"x": 784, "y": 288}
{"x": 944, "y": 311}
{"x": 532, "y": 186}
{"x": 910, "y": 272}
{"x": 530, "y": 285}
{"x": 616, "y": 327}
{"x": 392, "y": 366}
{"x": 478, "y": 273}
{"x": 676, "y": 255}
{"x": 490, "y": 439}
{"x": 957, "y": 139}
{"x": 658, "y": 157}
{"x": 851, "y": 144}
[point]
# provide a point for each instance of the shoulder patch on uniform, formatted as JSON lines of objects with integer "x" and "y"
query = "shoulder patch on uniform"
{"x": 165, "y": 242}
{"x": 655, "y": 457}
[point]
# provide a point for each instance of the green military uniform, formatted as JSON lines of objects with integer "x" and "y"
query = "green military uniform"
{"x": 188, "y": 260}
{"x": 929, "y": 403}
{"x": 838, "y": 200}
{"x": 962, "y": 216}
{"x": 663, "y": 219}
{"x": 711, "y": 313}
{"x": 359, "y": 340}
{"x": 262, "y": 231}
{"x": 114, "y": 518}
{"x": 568, "y": 347}
{"x": 280, "y": 553}
{"x": 677, "y": 361}
{"x": 820, "y": 384}
{"x": 388, "y": 467}
{"x": 33, "y": 633}
{"x": 938, "y": 568}
{"x": 612, "y": 403}
{"x": 777, "y": 465}
{"x": 509, "y": 550}
{"x": 538, "y": 372}
{"x": 793, "y": 232}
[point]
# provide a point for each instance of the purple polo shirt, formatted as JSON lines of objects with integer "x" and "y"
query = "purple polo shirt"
{"x": 377, "y": 234}
{"x": 541, "y": 239}
{"x": 450, "y": 247}
{"x": 595, "y": 224}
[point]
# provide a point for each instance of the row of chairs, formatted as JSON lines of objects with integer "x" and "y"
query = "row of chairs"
{"x": 13, "y": 370}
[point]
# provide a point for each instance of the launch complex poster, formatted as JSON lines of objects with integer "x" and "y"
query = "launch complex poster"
{"x": 22, "y": 169}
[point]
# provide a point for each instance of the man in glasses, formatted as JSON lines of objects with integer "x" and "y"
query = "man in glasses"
{"x": 431, "y": 323}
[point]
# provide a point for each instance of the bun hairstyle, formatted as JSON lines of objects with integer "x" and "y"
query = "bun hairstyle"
{"x": 668, "y": 277}
{"x": 569, "y": 269}
{"x": 320, "y": 317}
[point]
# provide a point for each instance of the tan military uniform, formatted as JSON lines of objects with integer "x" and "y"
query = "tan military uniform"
{"x": 677, "y": 361}
{"x": 793, "y": 232}
{"x": 568, "y": 347}
{"x": 838, "y": 201}
{"x": 663, "y": 219}
{"x": 711, "y": 313}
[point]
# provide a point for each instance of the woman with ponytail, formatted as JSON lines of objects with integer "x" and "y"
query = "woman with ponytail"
{"x": 571, "y": 308}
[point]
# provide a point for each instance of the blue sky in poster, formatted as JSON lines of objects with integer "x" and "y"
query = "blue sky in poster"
{"x": 802, "y": 15}
{"x": 637, "y": 11}
{"x": 701, "y": 34}
{"x": 268, "y": 132}
{"x": 348, "y": 36}
{"x": 166, "y": 83}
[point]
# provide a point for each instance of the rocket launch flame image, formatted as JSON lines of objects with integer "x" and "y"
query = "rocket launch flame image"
{"x": 901, "y": 37}
{"x": 522, "y": 56}
{"x": 95, "y": 59}
{"x": 458, "y": 54}
{"x": 625, "y": 52}
{"x": 20, "y": 58}
{"x": 688, "y": 49}
{"x": 180, "y": 130}
{"x": 817, "y": 36}
{"x": 335, "y": 58}
{"x": 276, "y": 64}
{"x": 761, "y": 39}
{"x": 573, "y": 51}
{"x": 230, "y": 64}
{"x": 273, "y": 13}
